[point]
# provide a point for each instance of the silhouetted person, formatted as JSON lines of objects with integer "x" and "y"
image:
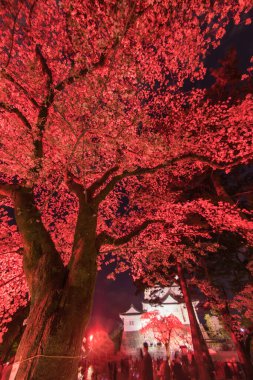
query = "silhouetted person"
{"x": 228, "y": 371}
{"x": 147, "y": 368}
{"x": 165, "y": 371}
{"x": 178, "y": 371}
{"x": 112, "y": 366}
{"x": 124, "y": 369}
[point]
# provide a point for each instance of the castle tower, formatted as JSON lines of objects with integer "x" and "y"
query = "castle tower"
{"x": 166, "y": 301}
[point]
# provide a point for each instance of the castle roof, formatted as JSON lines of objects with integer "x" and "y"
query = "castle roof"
{"x": 168, "y": 295}
{"x": 132, "y": 311}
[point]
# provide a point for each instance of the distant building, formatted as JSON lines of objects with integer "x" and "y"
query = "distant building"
{"x": 170, "y": 302}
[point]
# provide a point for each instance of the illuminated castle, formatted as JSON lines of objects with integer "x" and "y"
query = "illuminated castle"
{"x": 169, "y": 304}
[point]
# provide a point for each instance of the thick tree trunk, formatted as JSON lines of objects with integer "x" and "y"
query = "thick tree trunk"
{"x": 197, "y": 338}
{"x": 61, "y": 298}
{"x": 55, "y": 329}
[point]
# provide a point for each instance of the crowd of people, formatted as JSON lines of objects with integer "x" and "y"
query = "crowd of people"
{"x": 181, "y": 367}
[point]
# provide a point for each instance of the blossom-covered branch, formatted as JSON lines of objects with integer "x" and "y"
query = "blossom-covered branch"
{"x": 19, "y": 87}
{"x": 20, "y": 115}
{"x": 44, "y": 109}
{"x": 101, "y": 181}
{"x": 185, "y": 157}
{"x": 104, "y": 238}
{"x": 73, "y": 186}
{"x": 8, "y": 190}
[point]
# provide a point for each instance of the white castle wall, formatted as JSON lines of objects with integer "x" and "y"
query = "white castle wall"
{"x": 133, "y": 338}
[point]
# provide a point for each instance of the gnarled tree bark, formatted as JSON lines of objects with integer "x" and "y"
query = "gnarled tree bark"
{"x": 61, "y": 298}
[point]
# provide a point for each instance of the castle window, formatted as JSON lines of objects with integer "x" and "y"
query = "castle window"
{"x": 131, "y": 323}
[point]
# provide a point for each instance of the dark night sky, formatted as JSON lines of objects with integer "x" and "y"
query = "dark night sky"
{"x": 111, "y": 298}
{"x": 114, "y": 297}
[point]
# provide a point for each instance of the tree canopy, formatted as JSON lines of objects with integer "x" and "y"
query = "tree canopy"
{"x": 94, "y": 108}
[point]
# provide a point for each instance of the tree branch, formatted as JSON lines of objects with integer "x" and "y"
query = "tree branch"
{"x": 20, "y": 87}
{"x": 42, "y": 263}
{"x": 19, "y": 251}
{"x": 220, "y": 190}
{"x": 8, "y": 190}
{"x": 188, "y": 156}
{"x": 223, "y": 194}
{"x": 20, "y": 115}
{"x": 101, "y": 181}
{"x": 45, "y": 68}
{"x": 105, "y": 238}
{"x": 11, "y": 279}
{"x": 43, "y": 113}
{"x": 79, "y": 74}
{"x": 75, "y": 187}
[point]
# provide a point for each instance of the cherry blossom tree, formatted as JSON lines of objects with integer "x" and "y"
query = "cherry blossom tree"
{"x": 92, "y": 103}
{"x": 166, "y": 329}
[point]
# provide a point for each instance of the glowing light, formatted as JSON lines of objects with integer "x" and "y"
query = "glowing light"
{"x": 91, "y": 338}
{"x": 90, "y": 372}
